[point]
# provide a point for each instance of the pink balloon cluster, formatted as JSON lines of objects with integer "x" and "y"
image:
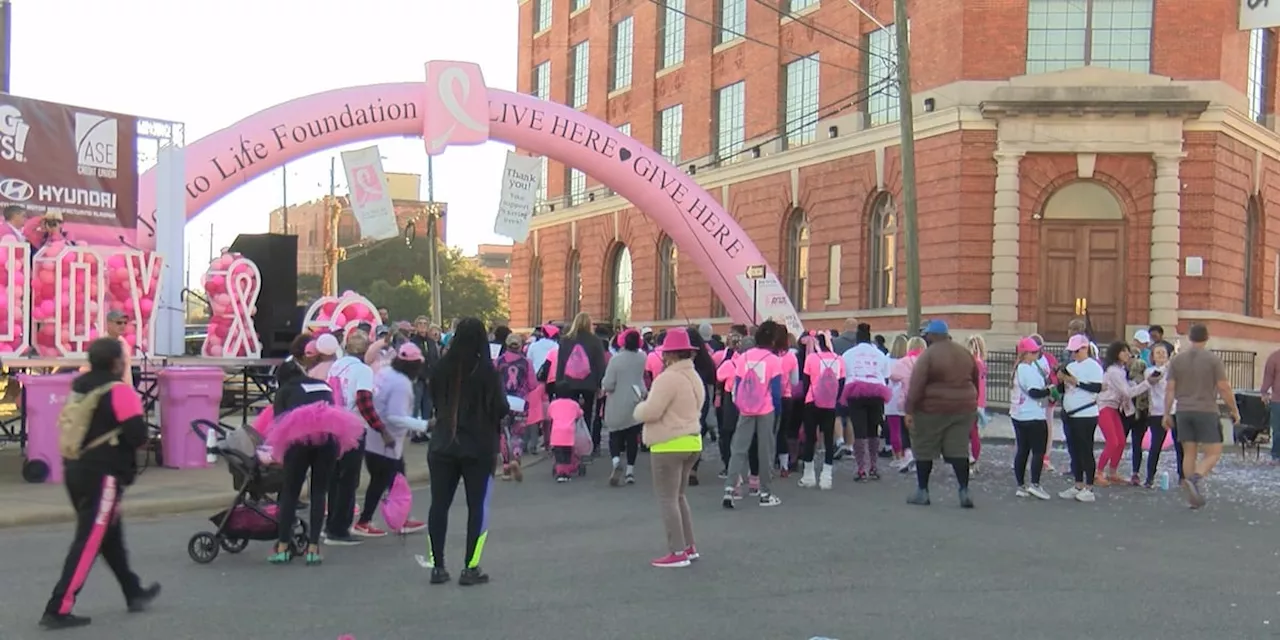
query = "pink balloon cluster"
{"x": 335, "y": 313}
{"x": 13, "y": 278}
{"x": 127, "y": 273}
{"x": 230, "y": 318}
{"x": 66, "y": 299}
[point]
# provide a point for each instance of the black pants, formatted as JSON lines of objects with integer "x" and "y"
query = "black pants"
{"x": 1177, "y": 448}
{"x": 1158, "y": 434}
{"x": 96, "y": 500}
{"x": 727, "y": 423}
{"x": 789, "y": 424}
{"x": 1033, "y": 440}
{"x": 627, "y": 440}
{"x": 866, "y": 414}
{"x": 300, "y": 460}
{"x": 476, "y": 476}
{"x": 342, "y": 492}
{"x": 1080, "y": 432}
{"x": 816, "y": 420}
{"x": 382, "y": 472}
{"x": 1135, "y": 426}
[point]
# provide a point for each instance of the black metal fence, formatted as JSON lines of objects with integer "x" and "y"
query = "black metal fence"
{"x": 1000, "y": 365}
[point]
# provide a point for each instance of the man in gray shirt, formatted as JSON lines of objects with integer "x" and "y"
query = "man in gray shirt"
{"x": 1196, "y": 380}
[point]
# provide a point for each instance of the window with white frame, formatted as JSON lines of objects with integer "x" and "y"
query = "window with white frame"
{"x": 577, "y": 187}
{"x": 670, "y": 129}
{"x": 541, "y": 88}
{"x": 882, "y": 87}
{"x": 798, "y": 5}
{"x": 624, "y": 128}
{"x": 1261, "y": 73}
{"x": 541, "y": 194}
{"x": 1063, "y": 34}
{"x": 579, "y": 74}
{"x": 883, "y": 253}
{"x": 622, "y": 49}
{"x": 671, "y": 28}
{"x": 731, "y": 121}
{"x": 801, "y": 113}
{"x": 541, "y": 15}
{"x": 579, "y": 4}
{"x": 731, "y": 18}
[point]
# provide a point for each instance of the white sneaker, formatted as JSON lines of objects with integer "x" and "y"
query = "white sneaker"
{"x": 1069, "y": 494}
{"x": 808, "y": 480}
{"x": 1038, "y": 491}
{"x": 824, "y": 481}
{"x": 1022, "y": 493}
{"x": 1086, "y": 495}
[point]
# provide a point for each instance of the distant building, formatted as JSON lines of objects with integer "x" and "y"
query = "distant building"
{"x": 495, "y": 259}
{"x": 309, "y": 221}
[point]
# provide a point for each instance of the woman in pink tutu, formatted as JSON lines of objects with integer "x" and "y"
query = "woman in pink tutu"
{"x": 308, "y": 434}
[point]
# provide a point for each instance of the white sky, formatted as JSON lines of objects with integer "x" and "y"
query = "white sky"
{"x": 209, "y": 64}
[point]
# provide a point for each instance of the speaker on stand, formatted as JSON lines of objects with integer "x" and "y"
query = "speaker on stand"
{"x": 277, "y": 320}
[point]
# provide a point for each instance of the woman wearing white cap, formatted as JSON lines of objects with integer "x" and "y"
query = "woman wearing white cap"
{"x": 1081, "y": 379}
{"x": 326, "y": 353}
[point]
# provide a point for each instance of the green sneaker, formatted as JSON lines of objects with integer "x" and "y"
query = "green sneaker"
{"x": 280, "y": 557}
{"x": 313, "y": 559}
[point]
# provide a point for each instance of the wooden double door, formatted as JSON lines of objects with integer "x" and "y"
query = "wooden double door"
{"x": 1082, "y": 266}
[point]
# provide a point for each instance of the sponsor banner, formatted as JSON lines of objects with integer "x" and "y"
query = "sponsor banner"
{"x": 80, "y": 164}
{"x": 772, "y": 302}
{"x": 1259, "y": 14}
{"x": 370, "y": 197}
{"x": 520, "y": 180}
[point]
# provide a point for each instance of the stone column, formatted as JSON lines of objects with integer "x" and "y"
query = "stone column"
{"x": 1004, "y": 245}
{"x": 1166, "y": 247}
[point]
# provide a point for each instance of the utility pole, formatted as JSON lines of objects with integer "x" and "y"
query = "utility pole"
{"x": 906, "y": 121}
{"x": 284, "y": 197}
{"x": 332, "y": 253}
{"x": 6, "y": 49}
{"x": 433, "y": 266}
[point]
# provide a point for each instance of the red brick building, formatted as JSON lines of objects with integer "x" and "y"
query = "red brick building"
{"x": 495, "y": 260}
{"x": 1114, "y": 154}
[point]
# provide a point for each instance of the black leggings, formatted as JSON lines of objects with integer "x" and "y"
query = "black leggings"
{"x": 1135, "y": 426}
{"x": 819, "y": 419}
{"x": 1177, "y": 448}
{"x": 627, "y": 440}
{"x": 1033, "y": 440}
{"x": 728, "y": 423}
{"x": 300, "y": 459}
{"x": 476, "y": 475}
{"x": 343, "y": 485}
{"x": 1080, "y": 432}
{"x": 866, "y": 414}
{"x": 1158, "y": 434}
{"x": 382, "y": 472}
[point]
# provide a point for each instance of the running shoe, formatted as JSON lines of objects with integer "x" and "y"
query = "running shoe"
{"x": 1038, "y": 492}
{"x": 1086, "y": 495}
{"x": 724, "y": 473}
{"x": 808, "y": 479}
{"x": 966, "y": 502}
{"x": 472, "y": 576}
{"x": 367, "y": 530}
{"x": 412, "y": 526}
{"x": 64, "y": 621}
{"x": 1069, "y": 493}
{"x": 143, "y": 599}
{"x": 671, "y": 560}
{"x": 629, "y": 479}
{"x": 344, "y": 540}
{"x": 1022, "y": 492}
{"x": 769, "y": 500}
{"x": 439, "y": 575}
{"x": 824, "y": 480}
{"x": 874, "y": 474}
{"x": 692, "y": 553}
{"x": 1135, "y": 480}
{"x": 727, "y": 500}
{"x": 615, "y": 478}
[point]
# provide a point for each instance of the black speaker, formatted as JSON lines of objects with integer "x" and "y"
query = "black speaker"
{"x": 277, "y": 319}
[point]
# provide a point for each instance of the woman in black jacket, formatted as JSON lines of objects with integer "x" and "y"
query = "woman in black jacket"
{"x": 470, "y": 405}
{"x": 706, "y": 370}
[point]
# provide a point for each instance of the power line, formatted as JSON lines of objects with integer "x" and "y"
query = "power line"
{"x": 842, "y": 39}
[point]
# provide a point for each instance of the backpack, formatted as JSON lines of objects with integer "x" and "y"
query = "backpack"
{"x": 513, "y": 375}
{"x": 826, "y": 389}
{"x": 577, "y": 366}
{"x": 74, "y": 420}
{"x": 751, "y": 391}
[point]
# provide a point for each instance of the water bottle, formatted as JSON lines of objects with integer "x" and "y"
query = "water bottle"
{"x": 1164, "y": 481}
{"x": 210, "y": 443}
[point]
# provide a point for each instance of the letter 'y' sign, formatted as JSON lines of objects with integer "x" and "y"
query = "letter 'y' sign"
{"x": 457, "y": 106}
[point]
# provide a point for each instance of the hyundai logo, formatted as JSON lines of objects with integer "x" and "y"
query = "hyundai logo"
{"x": 15, "y": 190}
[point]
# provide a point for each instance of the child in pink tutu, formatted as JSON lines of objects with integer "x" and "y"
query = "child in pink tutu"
{"x": 564, "y": 414}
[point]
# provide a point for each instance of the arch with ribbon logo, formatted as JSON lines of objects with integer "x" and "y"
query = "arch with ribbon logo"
{"x": 455, "y": 108}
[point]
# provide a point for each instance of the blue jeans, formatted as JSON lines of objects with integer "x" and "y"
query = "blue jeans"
{"x": 1275, "y": 430}
{"x": 421, "y": 400}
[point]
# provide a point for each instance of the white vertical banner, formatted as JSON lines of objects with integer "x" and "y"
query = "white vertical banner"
{"x": 772, "y": 302}
{"x": 170, "y": 318}
{"x": 520, "y": 180}
{"x": 1259, "y": 14}
{"x": 370, "y": 197}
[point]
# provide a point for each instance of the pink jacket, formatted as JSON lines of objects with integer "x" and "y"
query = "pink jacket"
{"x": 901, "y": 371}
{"x": 1118, "y": 392}
{"x": 982, "y": 383}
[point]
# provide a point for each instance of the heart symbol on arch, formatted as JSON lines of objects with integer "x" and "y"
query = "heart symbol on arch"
{"x": 624, "y": 154}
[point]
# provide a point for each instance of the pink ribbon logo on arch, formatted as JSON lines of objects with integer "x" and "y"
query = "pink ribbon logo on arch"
{"x": 457, "y": 106}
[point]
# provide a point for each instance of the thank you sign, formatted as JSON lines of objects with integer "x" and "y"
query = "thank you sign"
{"x": 1259, "y": 14}
{"x": 520, "y": 180}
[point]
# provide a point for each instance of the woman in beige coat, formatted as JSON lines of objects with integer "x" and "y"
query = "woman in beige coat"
{"x": 672, "y": 430}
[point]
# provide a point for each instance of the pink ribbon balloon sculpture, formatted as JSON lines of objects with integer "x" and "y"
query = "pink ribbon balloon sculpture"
{"x": 14, "y": 302}
{"x": 333, "y": 313}
{"x": 233, "y": 283}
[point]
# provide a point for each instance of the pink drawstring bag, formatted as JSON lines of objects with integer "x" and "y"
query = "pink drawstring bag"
{"x": 397, "y": 503}
{"x": 1168, "y": 441}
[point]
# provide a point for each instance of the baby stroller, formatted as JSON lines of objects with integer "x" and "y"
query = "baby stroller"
{"x": 511, "y": 444}
{"x": 253, "y": 514}
{"x": 571, "y": 461}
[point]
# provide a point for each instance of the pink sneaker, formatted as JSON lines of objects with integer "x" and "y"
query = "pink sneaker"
{"x": 367, "y": 530}
{"x": 671, "y": 560}
{"x": 691, "y": 553}
{"x": 412, "y": 526}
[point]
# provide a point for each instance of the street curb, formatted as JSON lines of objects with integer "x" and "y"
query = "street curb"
{"x": 418, "y": 478}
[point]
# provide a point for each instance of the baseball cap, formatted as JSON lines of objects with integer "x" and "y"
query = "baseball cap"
{"x": 937, "y": 328}
{"x": 409, "y": 351}
{"x": 646, "y": 331}
{"x": 327, "y": 345}
{"x": 514, "y": 340}
{"x": 1142, "y": 336}
{"x": 1077, "y": 342}
{"x": 1027, "y": 345}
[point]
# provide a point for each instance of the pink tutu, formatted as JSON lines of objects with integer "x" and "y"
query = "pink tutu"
{"x": 863, "y": 389}
{"x": 314, "y": 424}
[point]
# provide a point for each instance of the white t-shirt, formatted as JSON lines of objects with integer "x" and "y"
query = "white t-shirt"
{"x": 897, "y": 395}
{"x": 1085, "y": 371}
{"x": 354, "y": 376}
{"x": 1158, "y": 389}
{"x": 866, "y": 363}
{"x": 1028, "y": 376}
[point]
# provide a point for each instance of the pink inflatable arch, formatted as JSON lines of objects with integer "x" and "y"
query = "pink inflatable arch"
{"x": 223, "y": 161}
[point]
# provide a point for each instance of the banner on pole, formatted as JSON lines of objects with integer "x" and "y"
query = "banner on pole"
{"x": 370, "y": 197}
{"x": 1259, "y": 14}
{"x": 520, "y": 178}
{"x": 772, "y": 301}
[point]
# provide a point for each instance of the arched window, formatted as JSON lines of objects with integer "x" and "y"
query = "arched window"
{"x": 535, "y": 293}
{"x": 573, "y": 287}
{"x": 717, "y": 307}
{"x": 668, "y": 264}
{"x": 1252, "y": 268}
{"x": 883, "y": 250}
{"x": 798, "y": 260}
{"x": 620, "y": 306}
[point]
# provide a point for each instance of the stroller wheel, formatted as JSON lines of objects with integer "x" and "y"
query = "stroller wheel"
{"x": 300, "y": 539}
{"x": 203, "y": 547}
{"x": 234, "y": 545}
{"x": 582, "y": 470}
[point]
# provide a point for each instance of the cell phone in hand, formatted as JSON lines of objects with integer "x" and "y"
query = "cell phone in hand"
{"x": 639, "y": 391}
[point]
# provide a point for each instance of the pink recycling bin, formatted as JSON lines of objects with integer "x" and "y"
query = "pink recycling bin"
{"x": 43, "y": 398}
{"x": 187, "y": 394}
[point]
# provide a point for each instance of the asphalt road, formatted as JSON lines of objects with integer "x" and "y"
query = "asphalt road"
{"x": 569, "y": 562}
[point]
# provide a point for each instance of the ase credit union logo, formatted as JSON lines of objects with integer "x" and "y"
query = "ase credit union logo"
{"x": 97, "y": 140}
{"x": 13, "y": 134}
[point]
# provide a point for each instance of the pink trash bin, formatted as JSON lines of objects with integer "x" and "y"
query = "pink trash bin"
{"x": 43, "y": 399}
{"x": 187, "y": 394}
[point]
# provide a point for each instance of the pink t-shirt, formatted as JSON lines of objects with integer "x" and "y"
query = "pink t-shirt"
{"x": 764, "y": 366}
{"x": 564, "y": 414}
{"x": 816, "y": 363}
{"x": 652, "y": 367}
{"x": 982, "y": 382}
{"x": 790, "y": 370}
{"x": 727, "y": 371}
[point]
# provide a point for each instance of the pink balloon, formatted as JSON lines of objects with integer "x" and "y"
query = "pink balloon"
{"x": 47, "y": 308}
{"x": 116, "y": 261}
{"x": 46, "y": 276}
{"x": 145, "y": 305}
{"x": 216, "y": 284}
{"x": 340, "y": 320}
{"x": 120, "y": 275}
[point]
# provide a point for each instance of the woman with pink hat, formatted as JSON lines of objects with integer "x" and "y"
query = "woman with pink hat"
{"x": 1027, "y": 404}
{"x": 673, "y": 431}
{"x": 1081, "y": 380}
